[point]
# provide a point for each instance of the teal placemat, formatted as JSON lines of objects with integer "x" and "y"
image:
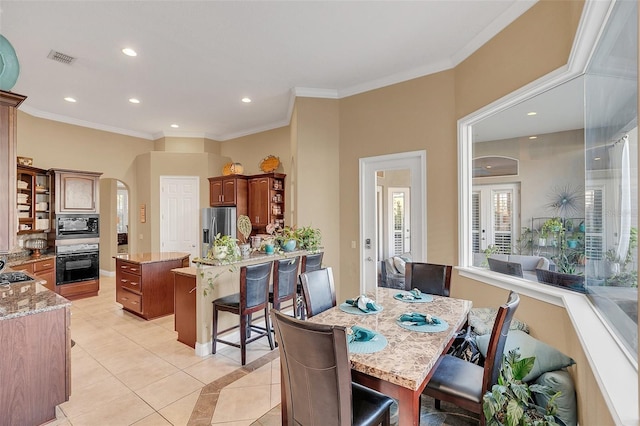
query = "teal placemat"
{"x": 345, "y": 307}
{"x": 425, "y": 298}
{"x": 427, "y": 328}
{"x": 378, "y": 343}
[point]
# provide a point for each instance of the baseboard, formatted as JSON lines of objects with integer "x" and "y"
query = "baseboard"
{"x": 107, "y": 273}
{"x": 203, "y": 349}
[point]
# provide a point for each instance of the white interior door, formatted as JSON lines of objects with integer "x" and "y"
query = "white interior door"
{"x": 180, "y": 214}
{"x": 416, "y": 162}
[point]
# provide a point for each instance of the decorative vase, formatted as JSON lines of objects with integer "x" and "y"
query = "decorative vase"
{"x": 245, "y": 250}
{"x": 572, "y": 243}
{"x": 219, "y": 252}
{"x": 542, "y": 242}
{"x": 268, "y": 248}
{"x": 289, "y": 245}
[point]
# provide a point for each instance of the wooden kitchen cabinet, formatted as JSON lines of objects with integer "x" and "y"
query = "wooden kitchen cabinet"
{"x": 36, "y": 361}
{"x": 9, "y": 103}
{"x": 266, "y": 200}
{"x": 46, "y": 270}
{"x": 185, "y": 305}
{"x": 76, "y": 191}
{"x": 144, "y": 282}
{"x": 229, "y": 191}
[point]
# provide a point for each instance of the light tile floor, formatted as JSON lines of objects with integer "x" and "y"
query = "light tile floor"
{"x": 128, "y": 371}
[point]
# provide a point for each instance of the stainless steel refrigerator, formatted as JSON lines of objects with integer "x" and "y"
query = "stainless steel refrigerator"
{"x": 217, "y": 220}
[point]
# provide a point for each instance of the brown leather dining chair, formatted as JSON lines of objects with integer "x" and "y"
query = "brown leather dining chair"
{"x": 253, "y": 297}
{"x": 309, "y": 262}
{"x": 428, "y": 277}
{"x": 318, "y": 290}
{"x": 285, "y": 282}
{"x": 463, "y": 383}
{"x": 316, "y": 375}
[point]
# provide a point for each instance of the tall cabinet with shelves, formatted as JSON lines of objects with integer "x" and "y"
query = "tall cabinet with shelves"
{"x": 267, "y": 200}
{"x": 33, "y": 200}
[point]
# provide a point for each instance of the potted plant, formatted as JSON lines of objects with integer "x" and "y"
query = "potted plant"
{"x": 224, "y": 246}
{"x": 552, "y": 225}
{"x": 309, "y": 238}
{"x": 510, "y": 401}
{"x": 287, "y": 238}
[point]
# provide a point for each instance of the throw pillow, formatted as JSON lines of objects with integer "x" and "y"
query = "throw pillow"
{"x": 482, "y": 319}
{"x": 543, "y": 263}
{"x": 559, "y": 380}
{"x": 548, "y": 358}
{"x": 399, "y": 263}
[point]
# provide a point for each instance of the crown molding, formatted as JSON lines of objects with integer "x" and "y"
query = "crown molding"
{"x": 76, "y": 122}
{"x": 311, "y": 92}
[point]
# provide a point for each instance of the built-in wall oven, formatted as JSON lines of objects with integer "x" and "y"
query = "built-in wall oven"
{"x": 77, "y": 225}
{"x": 77, "y": 260}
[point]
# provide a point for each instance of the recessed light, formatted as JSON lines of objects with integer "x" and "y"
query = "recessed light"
{"x": 533, "y": 137}
{"x": 70, "y": 99}
{"x": 532, "y": 113}
{"x": 488, "y": 166}
{"x": 596, "y": 159}
{"x": 134, "y": 100}
{"x": 175, "y": 126}
{"x": 246, "y": 100}
{"x": 129, "y": 52}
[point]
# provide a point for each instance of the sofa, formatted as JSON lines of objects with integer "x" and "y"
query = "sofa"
{"x": 392, "y": 271}
{"x": 529, "y": 263}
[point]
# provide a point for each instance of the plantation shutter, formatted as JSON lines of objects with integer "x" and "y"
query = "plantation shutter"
{"x": 594, "y": 223}
{"x": 502, "y": 217}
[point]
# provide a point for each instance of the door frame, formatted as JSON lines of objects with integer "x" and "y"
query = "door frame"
{"x": 416, "y": 161}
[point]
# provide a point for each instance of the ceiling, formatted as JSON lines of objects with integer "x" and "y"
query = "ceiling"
{"x": 198, "y": 59}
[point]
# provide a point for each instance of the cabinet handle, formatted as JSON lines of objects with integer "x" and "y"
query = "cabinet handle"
{"x": 134, "y": 269}
{"x": 123, "y": 267}
{"x": 124, "y": 281}
{"x": 134, "y": 283}
{"x": 46, "y": 265}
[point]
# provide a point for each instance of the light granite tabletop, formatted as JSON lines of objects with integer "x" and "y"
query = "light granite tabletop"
{"x": 409, "y": 355}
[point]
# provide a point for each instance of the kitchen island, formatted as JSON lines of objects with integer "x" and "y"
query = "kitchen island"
{"x": 215, "y": 279}
{"x": 35, "y": 348}
{"x": 144, "y": 282}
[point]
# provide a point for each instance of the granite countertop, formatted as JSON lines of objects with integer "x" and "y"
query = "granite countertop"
{"x": 28, "y": 298}
{"x": 256, "y": 255}
{"x": 23, "y": 260}
{"x": 151, "y": 257}
{"x": 190, "y": 271}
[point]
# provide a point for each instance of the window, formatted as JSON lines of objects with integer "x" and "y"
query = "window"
{"x": 594, "y": 150}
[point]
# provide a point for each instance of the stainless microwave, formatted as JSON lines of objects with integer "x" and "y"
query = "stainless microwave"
{"x": 77, "y": 226}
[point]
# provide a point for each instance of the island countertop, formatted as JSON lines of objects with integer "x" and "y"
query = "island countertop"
{"x": 27, "y": 298}
{"x": 151, "y": 257}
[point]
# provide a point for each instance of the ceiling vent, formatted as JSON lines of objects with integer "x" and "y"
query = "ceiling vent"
{"x": 61, "y": 57}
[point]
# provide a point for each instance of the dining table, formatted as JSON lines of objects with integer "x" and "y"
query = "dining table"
{"x": 401, "y": 368}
